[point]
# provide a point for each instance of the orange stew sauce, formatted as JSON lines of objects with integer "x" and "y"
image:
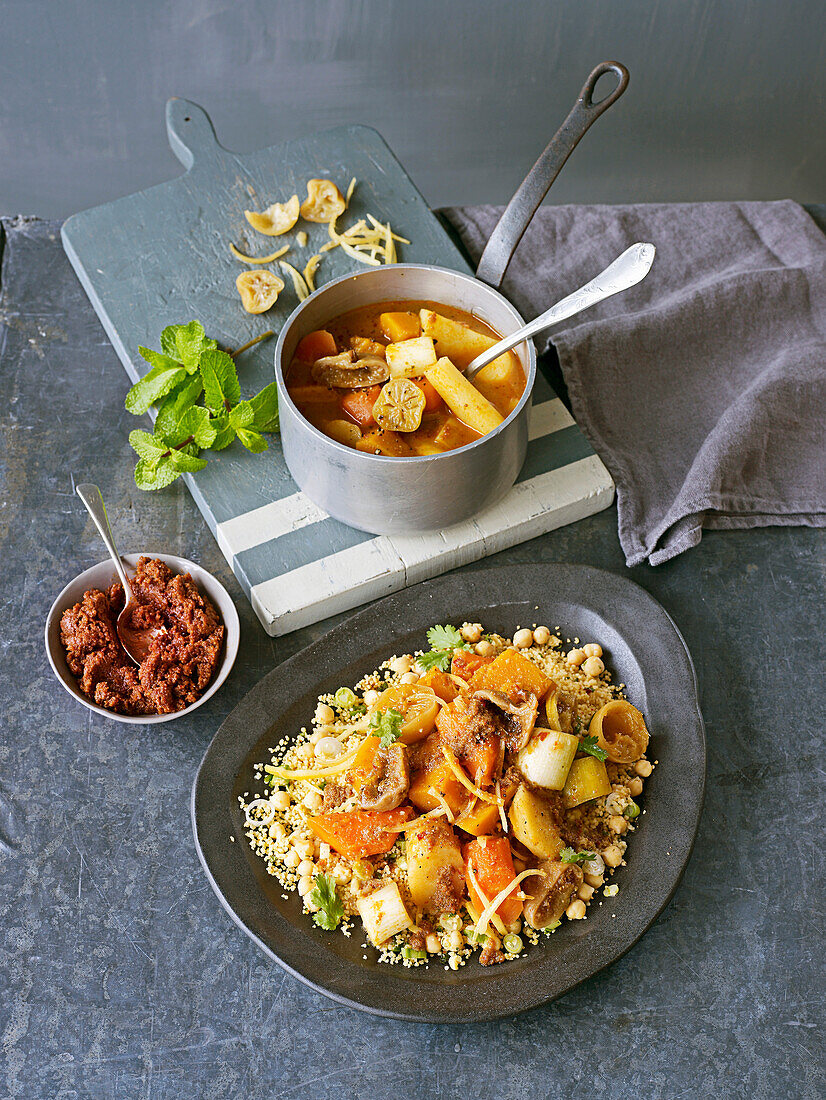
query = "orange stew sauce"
{"x": 338, "y": 375}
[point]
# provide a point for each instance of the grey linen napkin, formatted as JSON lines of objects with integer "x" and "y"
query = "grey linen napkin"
{"x": 703, "y": 389}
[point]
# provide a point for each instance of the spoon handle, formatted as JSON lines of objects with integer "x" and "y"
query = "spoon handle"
{"x": 93, "y": 499}
{"x": 627, "y": 270}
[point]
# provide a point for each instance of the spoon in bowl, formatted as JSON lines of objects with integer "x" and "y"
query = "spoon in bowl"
{"x": 136, "y": 642}
{"x": 627, "y": 270}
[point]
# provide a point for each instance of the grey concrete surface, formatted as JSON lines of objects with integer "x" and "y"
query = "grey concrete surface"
{"x": 122, "y": 977}
{"x": 726, "y": 98}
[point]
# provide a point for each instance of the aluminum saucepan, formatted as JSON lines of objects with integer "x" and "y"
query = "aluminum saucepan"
{"x": 386, "y": 495}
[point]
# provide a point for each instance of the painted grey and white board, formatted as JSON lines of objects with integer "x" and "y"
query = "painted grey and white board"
{"x": 161, "y": 256}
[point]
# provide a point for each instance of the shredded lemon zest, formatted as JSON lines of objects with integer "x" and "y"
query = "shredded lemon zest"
{"x": 301, "y": 288}
{"x": 491, "y": 907}
{"x": 258, "y": 259}
{"x": 350, "y": 189}
{"x": 416, "y": 821}
{"x": 440, "y": 798}
{"x": 496, "y": 920}
{"x": 310, "y": 270}
{"x": 453, "y": 764}
{"x": 502, "y": 815}
{"x": 340, "y": 765}
{"x": 378, "y": 225}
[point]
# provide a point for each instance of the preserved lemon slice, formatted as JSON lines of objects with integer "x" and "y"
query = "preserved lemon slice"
{"x": 258, "y": 290}
{"x": 399, "y": 406}
{"x": 324, "y": 201}
{"x": 276, "y": 219}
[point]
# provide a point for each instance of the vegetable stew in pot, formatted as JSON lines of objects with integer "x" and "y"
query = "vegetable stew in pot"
{"x": 387, "y": 379}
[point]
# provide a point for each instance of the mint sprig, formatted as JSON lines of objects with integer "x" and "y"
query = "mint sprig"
{"x": 189, "y": 367}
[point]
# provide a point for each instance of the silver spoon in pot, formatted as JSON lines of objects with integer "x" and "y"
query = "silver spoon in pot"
{"x": 136, "y": 642}
{"x": 627, "y": 270}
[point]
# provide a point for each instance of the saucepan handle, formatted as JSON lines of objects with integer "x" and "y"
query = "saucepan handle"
{"x": 524, "y": 204}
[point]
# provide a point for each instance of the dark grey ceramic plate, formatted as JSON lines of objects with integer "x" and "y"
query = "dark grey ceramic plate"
{"x": 644, "y": 650}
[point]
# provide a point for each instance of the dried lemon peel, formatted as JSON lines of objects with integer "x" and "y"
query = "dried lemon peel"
{"x": 259, "y": 290}
{"x": 258, "y": 259}
{"x": 371, "y": 244}
{"x": 310, "y": 270}
{"x": 301, "y": 288}
{"x": 301, "y": 238}
{"x": 400, "y": 406}
{"x": 324, "y": 202}
{"x": 276, "y": 219}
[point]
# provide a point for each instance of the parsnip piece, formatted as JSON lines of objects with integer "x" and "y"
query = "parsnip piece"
{"x": 434, "y": 862}
{"x": 453, "y": 339}
{"x": 343, "y": 431}
{"x": 462, "y": 397}
{"x": 383, "y": 914}
{"x": 276, "y": 219}
{"x": 547, "y": 758}
{"x": 410, "y": 358}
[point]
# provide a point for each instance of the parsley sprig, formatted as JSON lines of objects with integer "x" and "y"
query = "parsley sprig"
{"x": 444, "y": 641}
{"x": 386, "y": 725}
{"x": 589, "y": 744}
{"x": 330, "y": 911}
{"x": 570, "y": 855}
{"x": 188, "y": 369}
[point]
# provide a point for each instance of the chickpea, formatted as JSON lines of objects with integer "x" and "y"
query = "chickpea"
{"x": 472, "y": 632}
{"x": 313, "y": 801}
{"x": 576, "y": 910}
{"x": 341, "y": 873}
{"x": 612, "y": 855}
{"x": 370, "y": 697}
{"x": 305, "y": 886}
{"x": 635, "y": 786}
{"x": 277, "y": 831}
{"x": 592, "y": 649}
{"x": 324, "y": 715}
{"x": 401, "y": 664}
{"x": 305, "y": 869}
{"x": 281, "y": 800}
{"x": 575, "y": 658}
{"x": 644, "y": 768}
{"x": 585, "y": 892}
{"x": 305, "y": 848}
{"x": 617, "y": 824}
{"x": 410, "y": 678}
{"x": 514, "y": 928}
{"x": 594, "y": 881}
{"x": 433, "y": 944}
{"x": 523, "y": 638}
{"x": 542, "y": 635}
{"x": 292, "y": 858}
{"x": 456, "y": 941}
{"x": 593, "y": 666}
{"x": 328, "y": 746}
{"x": 485, "y": 648}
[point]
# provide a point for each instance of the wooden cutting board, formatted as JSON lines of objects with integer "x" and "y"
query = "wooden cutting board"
{"x": 161, "y": 256}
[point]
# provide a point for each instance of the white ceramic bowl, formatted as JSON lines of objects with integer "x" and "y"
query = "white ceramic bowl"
{"x": 101, "y": 576}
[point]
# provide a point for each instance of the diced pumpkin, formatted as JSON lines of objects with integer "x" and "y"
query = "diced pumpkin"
{"x": 383, "y": 442}
{"x": 533, "y": 824}
{"x": 359, "y": 833}
{"x": 400, "y": 326}
{"x": 492, "y": 864}
{"x": 435, "y": 868}
{"x": 315, "y": 345}
{"x": 512, "y": 674}
{"x": 432, "y": 399}
{"x": 312, "y": 394}
{"x": 441, "y": 683}
{"x": 479, "y": 819}
{"x": 480, "y": 761}
{"x": 437, "y": 777}
{"x": 465, "y": 662}
{"x": 358, "y": 405}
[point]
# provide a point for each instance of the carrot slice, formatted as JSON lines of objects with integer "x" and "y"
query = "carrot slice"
{"x": 359, "y": 833}
{"x": 358, "y": 404}
{"x": 492, "y": 866}
{"x": 315, "y": 345}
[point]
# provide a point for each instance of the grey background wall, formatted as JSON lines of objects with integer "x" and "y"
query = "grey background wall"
{"x": 726, "y": 98}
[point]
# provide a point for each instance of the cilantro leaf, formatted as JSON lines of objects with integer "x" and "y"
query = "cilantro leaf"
{"x": 569, "y": 855}
{"x": 175, "y": 404}
{"x": 589, "y": 744}
{"x": 147, "y": 446}
{"x": 265, "y": 409}
{"x": 330, "y": 909}
{"x": 436, "y": 658}
{"x": 221, "y": 387}
{"x": 156, "y": 475}
{"x": 252, "y": 440}
{"x": 386, "y": 725}
{"x": 154, "y": 385}
{"x": 444, "y": 637}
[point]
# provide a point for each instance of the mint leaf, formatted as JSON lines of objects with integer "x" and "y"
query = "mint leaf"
{"x": 187, "y": 463}
{"x": 220, "y": 380}
{"x": 242, "y": 415}
{"x": 590, "y": 745}
{"x": 147, "y": 446}
{"x": 175, "y": 404}
{"x": 158, "y": 359}
{"x": 154, "y": 385}
{"x": 330, "y": 908}
{"x": 186, "y": 343}
{"x": 155, "y": 475}
{"x": 253, "y": 441}
{"x": 225, "y": 433}
{"x": 444, "y": 637}
{"x": 195, "y": 423}
{"x": 265, "y": 409}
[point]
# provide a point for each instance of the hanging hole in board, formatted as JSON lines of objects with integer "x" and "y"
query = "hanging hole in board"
{"x": 604, "y": 79}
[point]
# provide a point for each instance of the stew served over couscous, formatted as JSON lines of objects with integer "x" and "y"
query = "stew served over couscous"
{"x": 387, "y": 379}
{"x": 464, "y": 797}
